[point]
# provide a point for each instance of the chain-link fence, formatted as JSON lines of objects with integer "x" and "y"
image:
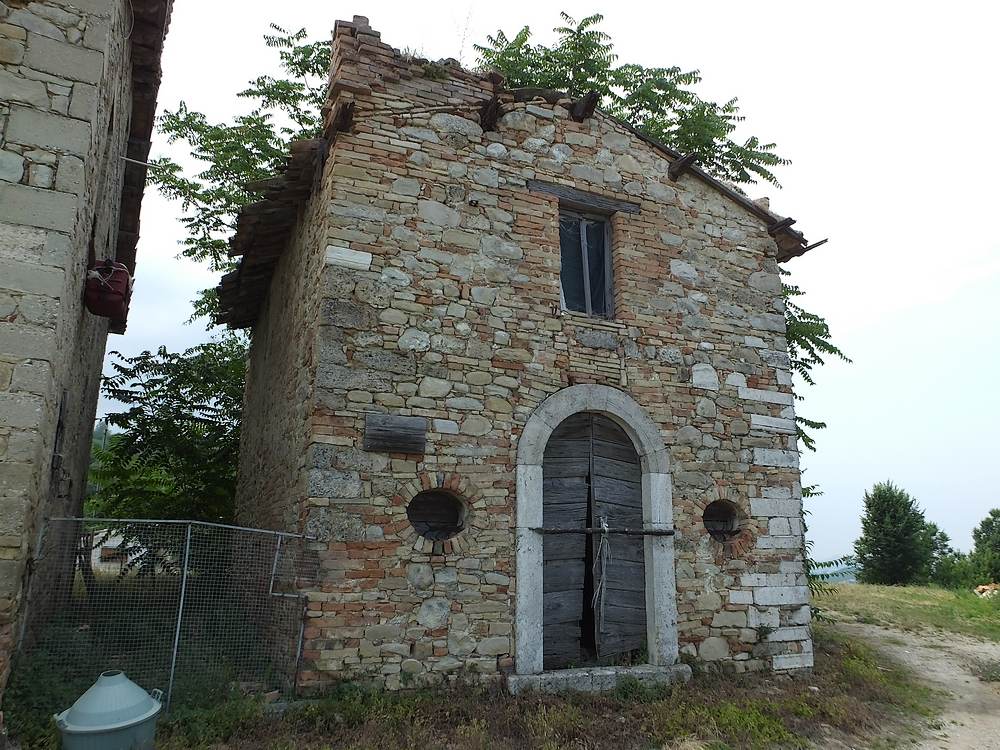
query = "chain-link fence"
{"x": 202, "y": 611}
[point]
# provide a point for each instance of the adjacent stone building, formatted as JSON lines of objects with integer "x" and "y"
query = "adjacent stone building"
{"x": 485, "y": 321}
{"x": 78, "y": 83}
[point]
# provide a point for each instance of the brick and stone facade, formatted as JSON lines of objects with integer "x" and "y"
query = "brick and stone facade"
{"x": 422, "y": 279}
{"x": 78, "y": 82}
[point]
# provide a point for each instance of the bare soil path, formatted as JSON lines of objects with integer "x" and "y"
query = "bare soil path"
{"x": 970, "y": 717}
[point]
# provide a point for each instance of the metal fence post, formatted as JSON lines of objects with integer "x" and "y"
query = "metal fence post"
{"x": 180, "y": 614}
{"x": 274, "y": 565}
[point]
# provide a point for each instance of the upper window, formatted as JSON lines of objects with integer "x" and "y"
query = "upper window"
{"x": 585, "y": 268}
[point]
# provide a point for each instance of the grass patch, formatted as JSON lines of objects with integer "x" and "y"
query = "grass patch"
{"x": 917, "y": 607}
{"x": 852, "y": 690}
{"x": 988, "y": 671}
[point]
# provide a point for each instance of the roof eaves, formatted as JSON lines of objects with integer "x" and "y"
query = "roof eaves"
{"x": 791, "y": 242}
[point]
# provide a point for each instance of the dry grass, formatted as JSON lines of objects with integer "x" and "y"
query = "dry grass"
{"x": 917, "y": 607}
{"x": 852, "y": 693}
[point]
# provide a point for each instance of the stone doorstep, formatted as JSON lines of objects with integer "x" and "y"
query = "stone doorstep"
{"x": 595, "y": 679}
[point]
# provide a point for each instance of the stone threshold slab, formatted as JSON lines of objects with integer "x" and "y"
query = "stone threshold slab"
{"x": 595, "y": 679}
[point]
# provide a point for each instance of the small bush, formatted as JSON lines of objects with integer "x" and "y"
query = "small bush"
{"x": 988, "y": 671}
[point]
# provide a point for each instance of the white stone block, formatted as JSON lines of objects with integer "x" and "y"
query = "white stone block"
{"x": 49, "y": 130}
{"x": 779, "y": 542}
{"x": 736, "y": 379}
{"x": 445, "y": 426}
{"x": 344, "y": 256}
{"x": 658, "y": 506}
{"x": 683, "y": 270}
{"x": 789, "y": 634}
{"x": 18, "y": 89}
{"x": 529, "y": 495}
{"x": 767, "y": 397}
{"x": 779, "y": 527}
{"x": 777, "y": 458}
{"x": 740, "y": 597}
{"x": 704, "y": 376}
{"x": 31, "y": 278}
{"x": 792, "y": 661}
{"x": 766, "y": 618}
{"x": 790, "y": 508}
{"x": 47, "y": 209}
{"x": 778, "y": 595}
{"x": 776, "y": 493}
{"x": 772, "y": 424}
{"x": 64, "y": 60}
{"x": 801, "y": 616}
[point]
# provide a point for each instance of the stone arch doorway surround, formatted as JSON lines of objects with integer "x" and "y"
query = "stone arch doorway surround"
{"x": 657, "y": 511}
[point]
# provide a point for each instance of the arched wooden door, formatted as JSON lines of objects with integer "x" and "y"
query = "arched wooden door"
{"x": 593, "y": 585}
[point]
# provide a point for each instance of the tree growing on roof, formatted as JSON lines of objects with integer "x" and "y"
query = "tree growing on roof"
{"x": 231, "y": 155}
{"x": 659, "y": 101}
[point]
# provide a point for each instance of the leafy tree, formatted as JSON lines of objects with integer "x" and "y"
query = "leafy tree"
{"x": 895, "y": 545}
{"x": 938, "y": 548}
{"x": 252, "y": 147}
{"x": 955, "y": 570}
{"x": 810, "y": 344}
{"x": 659, "y": 101}
{"x": 176, "y": 451}
{"x": 986, "y": 549}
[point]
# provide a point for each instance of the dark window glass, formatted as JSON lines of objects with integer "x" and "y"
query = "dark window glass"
{"x": 596, "y": 264}
{"x": 585, "y": 264}
{"x": 571, "y": 264}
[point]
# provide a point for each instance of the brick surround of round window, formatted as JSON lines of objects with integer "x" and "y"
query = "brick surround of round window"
{"x": 442, "y": 490}
{"x": 729, "y": 527}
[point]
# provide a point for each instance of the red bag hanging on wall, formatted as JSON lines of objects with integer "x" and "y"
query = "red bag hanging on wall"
{"x": 108, "y": 289}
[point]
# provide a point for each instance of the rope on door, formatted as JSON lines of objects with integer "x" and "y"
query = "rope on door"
{"x": 601, "y": 561}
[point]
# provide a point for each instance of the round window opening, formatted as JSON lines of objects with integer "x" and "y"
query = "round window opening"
{"x": 436, "y": 514}
{"x": 722, "y": 520}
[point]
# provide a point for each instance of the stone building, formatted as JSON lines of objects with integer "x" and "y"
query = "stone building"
{"x": 481, "y": 317}
{"x": 78, "y": 84}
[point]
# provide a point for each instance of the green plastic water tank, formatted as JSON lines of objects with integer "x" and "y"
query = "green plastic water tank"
{"x": 114, "y": 714}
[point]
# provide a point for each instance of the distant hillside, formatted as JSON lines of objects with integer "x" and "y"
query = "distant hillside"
{"x": 842, "y": 574}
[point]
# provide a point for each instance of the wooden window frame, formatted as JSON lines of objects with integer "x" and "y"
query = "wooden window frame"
{"x": 609, "y": 300}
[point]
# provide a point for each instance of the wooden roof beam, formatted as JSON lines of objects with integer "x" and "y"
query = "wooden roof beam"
{"x": 780, "y": 225}
{"x": 585, "y": 106}
{"x": 679, "y": 166}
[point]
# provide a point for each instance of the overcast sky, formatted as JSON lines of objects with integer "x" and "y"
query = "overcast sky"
{"x": 889, "y": 113}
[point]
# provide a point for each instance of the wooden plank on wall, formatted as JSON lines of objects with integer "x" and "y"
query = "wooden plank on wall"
{"x": 388, "y": 433}
{"x": 583, "y": 201}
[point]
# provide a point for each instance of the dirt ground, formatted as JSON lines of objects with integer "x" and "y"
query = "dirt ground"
{"x": 970, "y": 717}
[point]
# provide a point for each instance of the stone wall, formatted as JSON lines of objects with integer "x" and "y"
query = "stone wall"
{"x": 65, "y": 102}
{"x": 274, "y": 443}
{"x": 441, "y": 300}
